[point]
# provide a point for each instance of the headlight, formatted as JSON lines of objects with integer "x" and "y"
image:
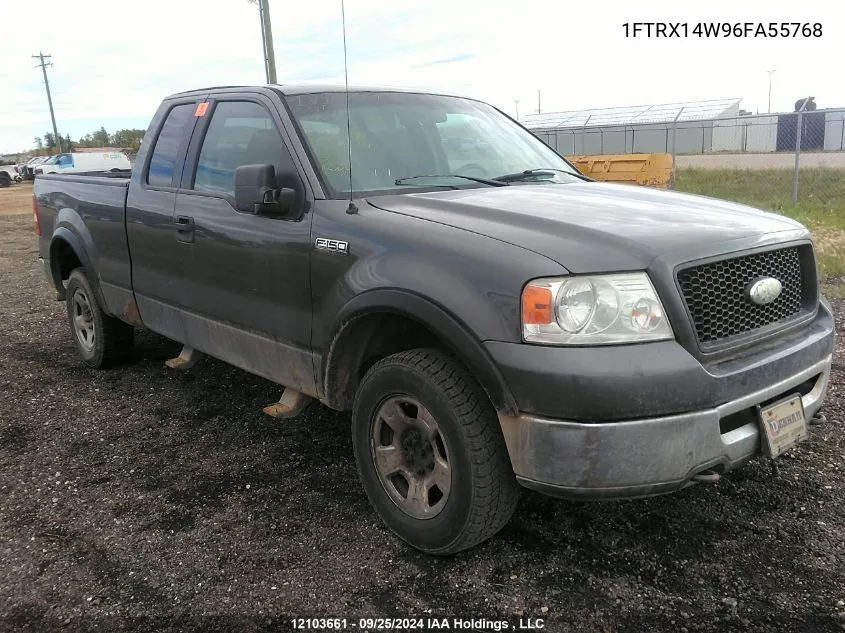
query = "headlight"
{"x": 593, "y": 310}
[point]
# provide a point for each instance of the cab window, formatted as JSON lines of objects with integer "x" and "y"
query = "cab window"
{"x": 165, "y": 152}
{"x": 240, "y": 133}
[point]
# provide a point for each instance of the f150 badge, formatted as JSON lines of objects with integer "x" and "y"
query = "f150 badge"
{"x": 764, "y": 290}
{"x": 332, "y": 246}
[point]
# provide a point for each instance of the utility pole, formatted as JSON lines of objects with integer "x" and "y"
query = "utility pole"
{"x": 516, "y": 103}
{"x": 267, "y": 38}
{"x": 538, "y": 102}
{"x": 41, "y": 56}
{"x": 770, "y": 90}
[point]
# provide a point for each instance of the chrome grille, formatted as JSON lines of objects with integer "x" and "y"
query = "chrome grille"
{"x": 716, "y": 294}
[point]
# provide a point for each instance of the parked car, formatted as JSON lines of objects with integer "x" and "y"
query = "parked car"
{"x": 520, "y": 325}
{"x": 78, "y": 162}
{"x": 11, "y": 174}
{"x": 28, "y": 168}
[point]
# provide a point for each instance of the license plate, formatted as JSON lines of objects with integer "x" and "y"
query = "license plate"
{"x": 783, "y": 425}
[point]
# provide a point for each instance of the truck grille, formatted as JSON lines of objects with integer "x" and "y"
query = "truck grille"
{"x": 717, "y": 297}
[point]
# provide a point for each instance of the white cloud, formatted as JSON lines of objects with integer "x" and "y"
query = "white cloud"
{"x": 115, "y": 61}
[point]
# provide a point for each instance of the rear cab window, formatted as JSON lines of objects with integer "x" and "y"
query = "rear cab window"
{"x": 166, "y": 150}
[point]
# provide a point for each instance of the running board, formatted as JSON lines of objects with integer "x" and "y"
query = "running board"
{"x": 186, "y": 359}
{"x": 291, "y": 404}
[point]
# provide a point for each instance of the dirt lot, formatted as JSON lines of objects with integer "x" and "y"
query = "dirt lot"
{"x": 148, "y": 500}
{"x": 16, "y": 199}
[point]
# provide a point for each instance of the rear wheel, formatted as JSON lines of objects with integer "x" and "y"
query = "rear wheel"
{"x": 5, "y": 179}
{"x": 101, "y": 340}
{"x": 430, "y": 452}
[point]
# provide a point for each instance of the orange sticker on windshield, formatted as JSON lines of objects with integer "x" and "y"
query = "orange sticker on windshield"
{"x": 202, "y": 108}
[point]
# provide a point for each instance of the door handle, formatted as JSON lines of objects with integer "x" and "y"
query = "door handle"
{"x": 184, "y": 228}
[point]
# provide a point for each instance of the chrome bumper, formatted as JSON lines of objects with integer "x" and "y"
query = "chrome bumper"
{"x": 642, "y": 457}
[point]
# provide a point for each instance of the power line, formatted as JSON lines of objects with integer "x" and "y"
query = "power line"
{"x": 41, "y": 56}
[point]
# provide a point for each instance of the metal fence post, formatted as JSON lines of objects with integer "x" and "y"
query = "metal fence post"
{"x": 842, "y": 134}
{"x": 584, "y": 135}
{"x": 797, "y": 150}
{"x": 674, "y": 141}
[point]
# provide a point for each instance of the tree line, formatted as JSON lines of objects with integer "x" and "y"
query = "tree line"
{"x": 99, "y": 138}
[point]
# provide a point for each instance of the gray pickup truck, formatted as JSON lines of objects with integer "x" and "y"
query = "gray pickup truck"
{"x": 490, "y": 317}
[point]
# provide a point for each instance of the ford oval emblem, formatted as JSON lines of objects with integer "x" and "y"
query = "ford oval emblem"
{"x": 764, "y": 290}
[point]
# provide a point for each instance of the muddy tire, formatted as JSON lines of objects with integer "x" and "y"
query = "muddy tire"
{"x": 430, "y": 452}
{"x": 100, "y": 340}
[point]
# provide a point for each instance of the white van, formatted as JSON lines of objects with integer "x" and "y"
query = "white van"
{"x": 83, "y": 161}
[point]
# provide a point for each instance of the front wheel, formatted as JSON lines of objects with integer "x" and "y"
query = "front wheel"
{"x": 430, "y": 452}
{"x": 101, "y": 340}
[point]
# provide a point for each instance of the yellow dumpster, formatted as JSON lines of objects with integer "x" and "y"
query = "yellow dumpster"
{"x": 653, "y": 170}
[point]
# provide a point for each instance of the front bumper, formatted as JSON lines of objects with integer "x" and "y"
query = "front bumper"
{"x": 648, "y": 456}
{"x": 631, "y": 422}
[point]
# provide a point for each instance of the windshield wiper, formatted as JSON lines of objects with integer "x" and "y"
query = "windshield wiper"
{"x": 485, "y": 181}
{"x": 526, "y": 175}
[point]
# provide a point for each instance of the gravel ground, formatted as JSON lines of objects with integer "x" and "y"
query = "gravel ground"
{"x": 145, "y": 499}
{"x": 16, "y": 199}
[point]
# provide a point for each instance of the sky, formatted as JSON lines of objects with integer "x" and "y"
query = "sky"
{"x": 113, "y": 62}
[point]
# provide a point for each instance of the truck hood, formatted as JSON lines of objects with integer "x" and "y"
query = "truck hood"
{"x": 592, "y": 226}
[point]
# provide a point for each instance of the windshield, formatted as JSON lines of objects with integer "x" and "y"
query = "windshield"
{"x": 52, "y": 160}
{"x": 399, "y": 136}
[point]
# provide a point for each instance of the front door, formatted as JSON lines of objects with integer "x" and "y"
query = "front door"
{"x": 245, "y": 290}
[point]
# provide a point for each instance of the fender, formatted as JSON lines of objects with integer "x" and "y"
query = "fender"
{"x": 66, "y": 231}
{"x": 440, "y": 321}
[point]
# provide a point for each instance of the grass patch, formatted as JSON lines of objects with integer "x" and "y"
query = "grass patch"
{"x": 821, "y": 202}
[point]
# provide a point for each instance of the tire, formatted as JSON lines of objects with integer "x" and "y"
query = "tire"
{"x": 443, "y": 431}
{"x": 5, "y": 180}
{"x": 100, "y": 340}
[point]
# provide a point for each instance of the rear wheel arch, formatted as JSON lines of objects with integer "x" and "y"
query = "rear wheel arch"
{"x": 379, "y": 323}
{"x": 68, "y": 253}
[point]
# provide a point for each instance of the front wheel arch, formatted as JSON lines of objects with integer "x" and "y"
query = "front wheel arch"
{"x": 342, "y": 361}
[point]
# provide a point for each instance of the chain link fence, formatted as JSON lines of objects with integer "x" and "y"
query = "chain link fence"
{"x": 775, "y": 160}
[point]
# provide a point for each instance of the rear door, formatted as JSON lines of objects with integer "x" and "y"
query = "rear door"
{"x": 245, "y": 287}
{"x": 150, "y": 228}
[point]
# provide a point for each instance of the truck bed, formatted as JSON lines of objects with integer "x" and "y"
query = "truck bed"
{"x": 88, "y": 211}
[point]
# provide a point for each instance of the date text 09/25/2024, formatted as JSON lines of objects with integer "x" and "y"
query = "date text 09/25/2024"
{"x": 416, "y": 624}
{"x": 723, "y": 29}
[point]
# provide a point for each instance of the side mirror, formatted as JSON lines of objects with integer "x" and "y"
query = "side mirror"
{"x": 256, "y": 192}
